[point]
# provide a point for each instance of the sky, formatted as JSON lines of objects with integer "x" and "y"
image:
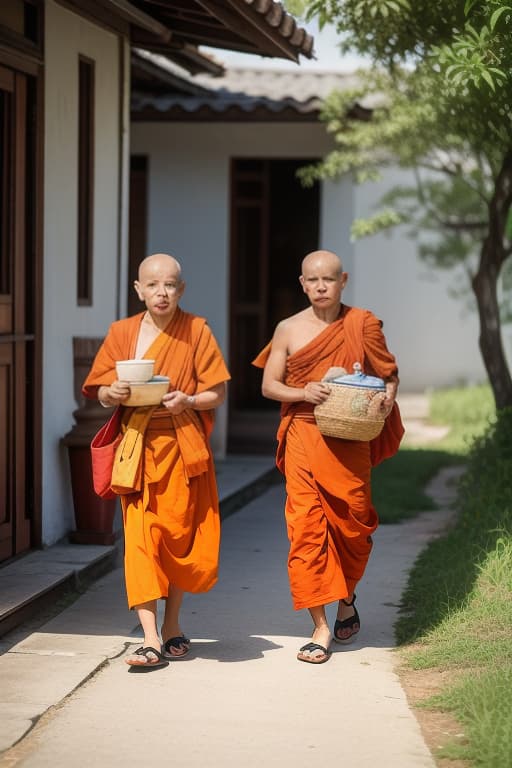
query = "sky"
{"x": 328, "y": 56}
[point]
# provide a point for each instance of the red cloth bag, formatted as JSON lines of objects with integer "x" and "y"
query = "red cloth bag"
{"x": 103, "y": 450}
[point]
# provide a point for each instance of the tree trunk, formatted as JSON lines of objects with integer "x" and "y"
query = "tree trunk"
{"x": 485, "y": 287}
{"x": 490, "y": 339}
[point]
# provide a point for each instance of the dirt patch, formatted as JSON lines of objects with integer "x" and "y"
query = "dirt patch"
{"x": 438, "y": 728}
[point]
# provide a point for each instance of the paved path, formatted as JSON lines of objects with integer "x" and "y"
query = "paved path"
{"x": 241, "y": 699}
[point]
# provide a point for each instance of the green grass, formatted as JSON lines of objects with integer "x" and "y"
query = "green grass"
{"x": 457, "y": 606}
{"x": 398, "y": 483}
{"x": 462, "y": 407}
{"x": 467, "y": 410}
{"x": 464, "y": 614}
{"x": 481, "y": 702}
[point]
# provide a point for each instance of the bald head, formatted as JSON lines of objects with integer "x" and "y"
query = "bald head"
{"x": 322, "y": 260}
{"x": 323, "y": 281}
{"x": 159, "y": 263}
{"x": 160, "y": 286}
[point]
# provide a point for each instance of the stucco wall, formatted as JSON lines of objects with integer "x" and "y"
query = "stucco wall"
{"x": 433, "y": 334}
{"x": 67, "y": 36}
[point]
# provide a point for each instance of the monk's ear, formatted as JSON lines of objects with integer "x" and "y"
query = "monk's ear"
{"x": 181, "y": 288}
{"x": 301, "y": 281}
{"x": 138, "y": 290}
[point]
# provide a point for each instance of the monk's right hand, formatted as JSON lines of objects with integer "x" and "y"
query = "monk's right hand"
{"x": 115, "y": 394}
{"x": 316, "y": 392}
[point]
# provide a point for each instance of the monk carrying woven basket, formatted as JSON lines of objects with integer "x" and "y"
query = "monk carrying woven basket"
{"x": 329, "y": 512}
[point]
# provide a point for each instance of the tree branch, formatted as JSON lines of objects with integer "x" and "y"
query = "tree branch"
{"x": 456, "y": 174}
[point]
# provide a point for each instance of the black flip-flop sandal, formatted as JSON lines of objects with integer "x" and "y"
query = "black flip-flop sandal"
{"x": 353, "y": 624}
{"x": 180, "y": 643}
{"x": 149, "y": 663}
{"x": 313, "y": 659}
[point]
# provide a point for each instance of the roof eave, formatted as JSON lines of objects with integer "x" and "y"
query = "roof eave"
{"x": 266, "y": 37}
{"x": 162, "y": 77}
{"x": 137, "y": 18}
{"x": 233, "y": 114}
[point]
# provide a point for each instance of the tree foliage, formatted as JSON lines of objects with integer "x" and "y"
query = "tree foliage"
{"x": 438, "y": 100}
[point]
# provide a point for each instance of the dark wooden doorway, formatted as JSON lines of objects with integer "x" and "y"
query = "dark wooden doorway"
{"x": 19, "y": 314}
{"x": 138, "y": 226}
{"x": 274, "y": 223}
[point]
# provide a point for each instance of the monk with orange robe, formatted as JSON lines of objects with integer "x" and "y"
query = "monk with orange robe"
{"x": 168, "y": 492}
{"x": 329, "y": 513}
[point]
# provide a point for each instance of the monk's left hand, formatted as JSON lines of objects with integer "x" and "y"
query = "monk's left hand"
{"x": 389, "y": 400}
{"x": 316, "y": 392}
{"x": 176, "y": 402}
{"x": 386, "y": 406}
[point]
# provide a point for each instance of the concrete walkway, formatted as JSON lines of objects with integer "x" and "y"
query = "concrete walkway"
{"x": 35, "y": 582}
{"x": 241, "y": 698}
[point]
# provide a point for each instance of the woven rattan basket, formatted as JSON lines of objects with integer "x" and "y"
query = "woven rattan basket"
{"x": 353, "y": 409}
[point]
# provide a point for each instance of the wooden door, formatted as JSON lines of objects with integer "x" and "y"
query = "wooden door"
{"x": 17, "y": 311}
{"x": 138, "y": 226}
{"x": 274, "y": 224}
{"x": 249, "y": 277}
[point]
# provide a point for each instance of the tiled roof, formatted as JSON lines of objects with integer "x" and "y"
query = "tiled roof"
{"x": 275, "y": 84}
{"x": 278, "y": 19}
{"x": 246, "y": 90}
{"x": 260, "y": 27}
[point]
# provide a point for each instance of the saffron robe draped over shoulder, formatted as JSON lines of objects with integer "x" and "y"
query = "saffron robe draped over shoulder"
{"x": 329, "y": 512}
{"x": 171, "y": 516}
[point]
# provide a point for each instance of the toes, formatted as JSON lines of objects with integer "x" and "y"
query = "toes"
{"x": 145, "y": 657}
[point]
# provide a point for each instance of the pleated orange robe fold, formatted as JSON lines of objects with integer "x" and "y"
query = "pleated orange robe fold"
{"x": 172, "y": 524}
{"x": 329, "y": 512}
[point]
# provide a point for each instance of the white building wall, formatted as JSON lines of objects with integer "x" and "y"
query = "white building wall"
{"x": 336, "y": 216}
{"x": 67, "y": 36}
{"x": 433, "y": 334}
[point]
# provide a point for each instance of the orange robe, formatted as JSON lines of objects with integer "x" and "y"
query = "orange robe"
{"x": 329, "y": 512}
{"x": 172, "y": 524}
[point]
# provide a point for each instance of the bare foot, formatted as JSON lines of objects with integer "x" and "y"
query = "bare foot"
{"x": 322, "y": 636}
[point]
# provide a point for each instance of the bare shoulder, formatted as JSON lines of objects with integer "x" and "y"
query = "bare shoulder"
{"x": 293, "y": 321}
{"x": 294, "y": 331}
{"x": 290, "y": 325}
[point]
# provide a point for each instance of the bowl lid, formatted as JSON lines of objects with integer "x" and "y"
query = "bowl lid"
{"x": 359, "y": 379}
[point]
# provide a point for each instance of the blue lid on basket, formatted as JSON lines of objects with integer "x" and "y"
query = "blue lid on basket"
{"x": 359, "y": 379}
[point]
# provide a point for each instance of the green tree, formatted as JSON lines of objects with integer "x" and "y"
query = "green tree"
{"x": 438, "y": 100}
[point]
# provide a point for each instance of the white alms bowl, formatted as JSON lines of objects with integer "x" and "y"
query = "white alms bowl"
{"x": 149, "y": 392}
{"x": 135, "y": 371}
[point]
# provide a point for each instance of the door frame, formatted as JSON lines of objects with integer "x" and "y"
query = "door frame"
{"x": 28, "y": 248}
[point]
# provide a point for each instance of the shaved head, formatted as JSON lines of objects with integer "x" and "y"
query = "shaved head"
{"x": 157, "y": 262}
{"x": 323, "y": 260}
{"x": 160, "y": 286}
{"x": 323, "y": 281}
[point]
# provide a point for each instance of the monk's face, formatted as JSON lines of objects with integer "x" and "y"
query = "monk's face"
{"x": 323, "y": 279}
{"x": 160, "y": 285}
